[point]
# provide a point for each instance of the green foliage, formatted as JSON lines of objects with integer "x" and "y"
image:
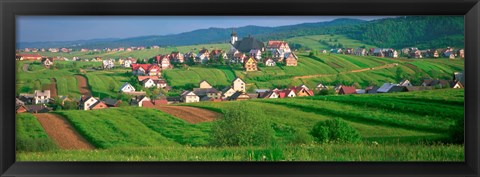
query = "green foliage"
{"x": 30, "y": 136}
{"x": 457, "y": 132}
{"x": 326, "y": 92}
{"x": 334, "y": 130}
{"x": 242, "y": 126}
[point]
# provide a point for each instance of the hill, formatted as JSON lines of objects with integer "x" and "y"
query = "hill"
{"x": 405, "y": 124}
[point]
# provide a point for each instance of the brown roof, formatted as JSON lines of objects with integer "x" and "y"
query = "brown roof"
{"x": 348, "y": 90}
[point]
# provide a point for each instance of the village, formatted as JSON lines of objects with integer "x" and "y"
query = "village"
{"x": 248, "y": 53}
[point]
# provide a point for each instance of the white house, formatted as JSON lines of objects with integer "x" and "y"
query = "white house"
{"x": 127, "y": 87}
{"x": 189, "y": 97}
{"x": 239, "y": 85}
{"x": 270, "y": 62}
{"x": 148, "y": 83}
{"x": 405, "y": 82}
{"x": 41, "y": 96}
{"x": 227, "y": 92}
{"x": 127, "y": 63}
{"x": 257, "y": 54}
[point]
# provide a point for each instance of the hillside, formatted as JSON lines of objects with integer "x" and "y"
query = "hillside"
{"x": 402, "y": 122}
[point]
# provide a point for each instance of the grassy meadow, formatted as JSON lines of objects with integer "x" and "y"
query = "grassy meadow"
{"x": 393, "y": 127}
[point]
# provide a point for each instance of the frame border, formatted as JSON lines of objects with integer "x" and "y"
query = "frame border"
{"x": 9, "y": 9}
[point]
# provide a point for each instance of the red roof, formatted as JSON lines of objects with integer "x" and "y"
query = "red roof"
{"x": 348, "y": 90}
{"x": 146, "y": 67}
{"x": 275, "y": 44}
{"x": 36, "y": 55}
{"x": 141, "y": 78}
{"x": 147, "y": 104}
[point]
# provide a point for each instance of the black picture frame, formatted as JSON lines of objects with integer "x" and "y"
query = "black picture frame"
{"x": 9, "y": 9}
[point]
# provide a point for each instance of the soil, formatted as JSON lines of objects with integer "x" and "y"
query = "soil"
{"x": 62, "y": 133}
{"x": 82, "y": 85}
{"x": 190, "y": 114}
{"x": 53, "y": 87}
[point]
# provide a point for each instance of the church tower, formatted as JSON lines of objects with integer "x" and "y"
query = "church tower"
{"x": 233, "y": 37}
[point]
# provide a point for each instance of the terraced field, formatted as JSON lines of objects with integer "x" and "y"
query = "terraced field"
{"x": 313, "y": 41}
{"x": 404, "y": 124}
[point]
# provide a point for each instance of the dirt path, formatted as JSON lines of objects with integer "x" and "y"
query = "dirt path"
{"x": 346, "y": 72}
{"x": 53, "y": 87}
{"x": 82, "y": 85}
{"x": 64, "y": 135}
{"x": 190, "y": 114}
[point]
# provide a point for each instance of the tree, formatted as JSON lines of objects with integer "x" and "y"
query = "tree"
{"x": 335, "y": 130}
{"x": 221, "y": 60}
{"x": 242, "y": 125}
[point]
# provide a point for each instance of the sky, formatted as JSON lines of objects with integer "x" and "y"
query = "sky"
{"x": 70, "y": 28}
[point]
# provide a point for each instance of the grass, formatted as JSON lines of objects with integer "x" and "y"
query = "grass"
{"x": 30, "y": 135}
{"x": 180, "y": 77}
{"x": 326, "y": 152}
{"x": 313, "y": 41}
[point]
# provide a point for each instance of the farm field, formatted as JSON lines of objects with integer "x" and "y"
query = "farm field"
{"x": 313, "y": 41}
{"x": 394, "y": 127}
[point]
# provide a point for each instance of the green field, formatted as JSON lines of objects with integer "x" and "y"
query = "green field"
{"x": 30, "y": 136}
{"x": 313, "y": 42}
{"x": 406, "y": 126}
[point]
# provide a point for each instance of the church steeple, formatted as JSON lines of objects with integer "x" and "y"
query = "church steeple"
{"x": 233, "y": 37}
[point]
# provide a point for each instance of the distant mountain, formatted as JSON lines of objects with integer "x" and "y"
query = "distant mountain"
{"x": 420, "y": 31}
{"x": 201, "y": 36}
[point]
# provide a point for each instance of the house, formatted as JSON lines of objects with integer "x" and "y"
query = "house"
{"x": 126, "y": 63}
{"x": 301, "y": 91}
{"x": 207, "y": 92}
{"x": 461, "y": 53}
{"x": 47, "y": 62}
{"x": 286, "y": 93}
{"x": 436, "y": 83}
{"x": 360, "y": 91}
{"x": 250, "y": 64}
{"x": 386, "y": 87}
{"x": 378, "y": 52}
{"x": 270, "y": 62}
{"x": 456, "y": 84}
{"x": 281, "y": 46}
{"x": 238, "y": 96}
{"x": 29, "y": 57}
{"x": 323, "y": 51}
{"x": 278, "y": 55}
{"x": 432, "y": 53}
{"x": 203, "y": 56}
{"x": 360, "y": 51}
{"x": 108, "y": 64}
{"x": 36, "y": 109}
{"x": 139, "y": 100}
{"x": 398, "y": 88}
{"x": 337, "y": 51}
{"x": 204, "y": 84}
{"x": 189, "y": 97}
{"x": 146, "y": 69}
{"x": 227, "y": 92}
{"x": 177, "y": 57}
{"x": 345, "y": 90}
{"x": 239, "y": 85}
{"x": 320, "y": 86}
{"x": 349, "y": 51}
{"x": 256, "y": 54}
{"x": 21, "y": 109}
{"x": 247, "y": 44}
{"x": 405, "y": 82}
{"x": 231, "y": 53}
{"x": 337, "y": 87}
{"x": 217, "y": 54}
{"x": 41, "y": 96}
{"x": 458, "y": 77}
{"x": 268, "y": 94}
{"x": 164, "y": 61}
{"x": 88, "y": 102}
{"x": 238, "y": 58}
{"x": 127, "y": 87}
{"x": 291, "y": 59}
{"x": 148, "y": 83}
{"x": 63, "y": 99}
{"x": 391, "y": 53}
{"x": 162, "y": 83}
{"x": 371, "y": 89}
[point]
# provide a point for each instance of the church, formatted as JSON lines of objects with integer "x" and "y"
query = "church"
{"x": 247, "y": 44}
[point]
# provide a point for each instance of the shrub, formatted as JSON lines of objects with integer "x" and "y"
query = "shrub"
{"x": 334, "y": 130}
{"x": 242, "y": 126}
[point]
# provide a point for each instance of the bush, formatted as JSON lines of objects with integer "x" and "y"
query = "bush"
{"x": 242, "y": 126}
{"x": 334, "y": 130}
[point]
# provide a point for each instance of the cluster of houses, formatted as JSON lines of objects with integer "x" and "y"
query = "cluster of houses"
{"x": 33, "y": 103}
{"x": 411, "y": 52}
{"x": 237, "y": 91}
{"x": 68, "y": 50}
{"x": 458, "y": 81}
